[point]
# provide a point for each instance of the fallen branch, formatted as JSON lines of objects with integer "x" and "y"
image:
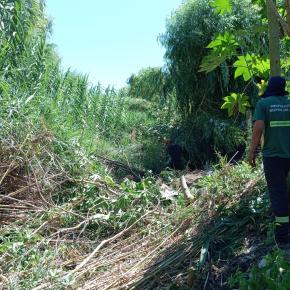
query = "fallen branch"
{"x": 186, "y": 190}
{"x": 17, "y": 200}
{"x": 84, "y": 222}
{"x": 146, "y": 257}
{"x": 87, "y": 259}
{"x": 10, "y": 168}
{"x": 16, "y": 192}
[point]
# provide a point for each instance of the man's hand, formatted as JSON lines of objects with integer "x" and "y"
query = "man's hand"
{"x": 256, "y": 138}
{"x": 252, "y": 159}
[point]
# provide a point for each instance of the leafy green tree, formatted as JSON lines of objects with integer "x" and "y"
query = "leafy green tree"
{"x": 150, "y": 84}
{"x": 250, "y": 64}
{"x": 204, "y": 128}
{"x": 188, "y": 32}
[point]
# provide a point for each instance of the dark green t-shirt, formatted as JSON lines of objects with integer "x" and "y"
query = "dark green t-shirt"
{"x": 275, "y": 112}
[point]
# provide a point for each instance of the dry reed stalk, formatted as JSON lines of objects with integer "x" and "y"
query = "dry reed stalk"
{"x": 9, "y": 170}
{"x": 37, "y": 183}
{"x": 146, "y": 257}
{"x": 153, "y": 243}
{"x": 194, "y": 249}
{"x": 87, "y": 259}
{"x": 127, "y": 259}
{"x": 21, "y": 190}
{"x": 121, "y": 249}
{"x": 131, "y": 276}
{"x": 18, "y": 200}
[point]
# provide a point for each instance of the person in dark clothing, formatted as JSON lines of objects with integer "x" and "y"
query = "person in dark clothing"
{"x": 175, "y": 152}
{"x": 272, "y": 117}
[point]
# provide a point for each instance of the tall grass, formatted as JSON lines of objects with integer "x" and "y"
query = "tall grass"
{"x": 102, "y": 121}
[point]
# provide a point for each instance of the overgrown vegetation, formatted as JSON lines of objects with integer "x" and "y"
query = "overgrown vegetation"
{"x": 271, "y": 273}
{"x": 71, "y": 217}
{"x": 199, "y": 95}
{"x": 66, "y": 232}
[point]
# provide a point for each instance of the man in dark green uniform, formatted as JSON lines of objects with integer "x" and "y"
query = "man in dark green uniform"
{"x": 272, "y": 117}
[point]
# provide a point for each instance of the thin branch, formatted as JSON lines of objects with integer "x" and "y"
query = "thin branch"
{"x": 96, "y": 250}
{"x": 186, "y": 190}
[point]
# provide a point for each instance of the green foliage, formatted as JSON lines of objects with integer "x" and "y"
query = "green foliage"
{"x": 236, "y": 103}
{"x": 190, "y": 29}
{"x": 98, "y": 120}
{"x": 272, "y": 273}
{"x": 228, "y": 180}
{"x": 55, "y": 124}
{"x": 221, "y": 6}
{"x": 233, "y": 44}
{"x": 252, "y": 65}
{"x": 138, "y": 105}
{"x": 30, "y": 254}
{"x": 233, "y": 220}
{"x": 206, "y": 135}
{"x": 152, "y": 84}
{"x": 222, "y": 47}
{"x": 122, "y": 210}
{"x": 22, "y": 43}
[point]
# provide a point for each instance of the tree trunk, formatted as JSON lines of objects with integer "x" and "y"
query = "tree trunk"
{"x": 288, "y": 15}
{"x": 274, "y": 40}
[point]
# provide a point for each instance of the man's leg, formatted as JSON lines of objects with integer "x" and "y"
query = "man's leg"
{"x": 276, "y": 172}
{"x": 288, "y": 186}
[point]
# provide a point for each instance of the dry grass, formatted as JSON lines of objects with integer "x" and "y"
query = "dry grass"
{"x": 29, "y": 173}
{"x": 160, "y": 248}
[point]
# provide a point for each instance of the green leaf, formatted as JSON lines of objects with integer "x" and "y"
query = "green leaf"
{"x": 223, "y": 41}
{"x": 249, "y": 65}
{"x": 236, "y": 103}
{"x": 109, "y": 180}
{"x": 211, "y": 62}
{"x": 224, "y": 46}
{"x": 216, "y": 42}
{"x": 221, "y": 6}
{"x": 242, "y": 67}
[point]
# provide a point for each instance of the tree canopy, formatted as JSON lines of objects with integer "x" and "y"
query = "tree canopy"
{"x": 150, "y": 83}
{"x": 188, "y": 32}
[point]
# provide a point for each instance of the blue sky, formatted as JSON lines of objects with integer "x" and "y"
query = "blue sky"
{"x": 109, "y": 39}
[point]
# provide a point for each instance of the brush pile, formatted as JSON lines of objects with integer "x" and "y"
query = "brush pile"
{"x": 59, "y": 232}
{"x": 29, "y": 174}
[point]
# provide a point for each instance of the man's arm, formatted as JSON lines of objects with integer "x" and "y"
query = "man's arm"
{"x": 256, "y": 139}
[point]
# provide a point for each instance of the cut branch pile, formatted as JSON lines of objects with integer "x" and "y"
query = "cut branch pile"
{"x": 25, "y": 182}
{"x": 158, "y": 249}
{"x": 159, "y": 254}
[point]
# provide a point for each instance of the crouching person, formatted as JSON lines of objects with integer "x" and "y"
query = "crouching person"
{"x": 175, "y": 153}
